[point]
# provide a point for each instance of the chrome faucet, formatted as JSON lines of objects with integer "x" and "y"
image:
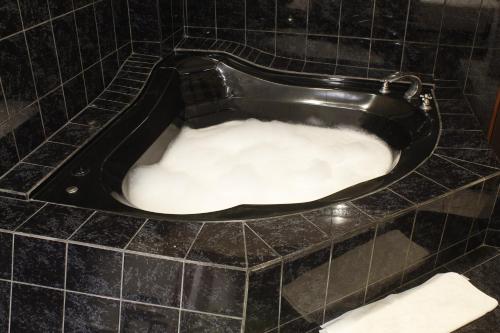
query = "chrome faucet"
{"x": 414, "y": 90}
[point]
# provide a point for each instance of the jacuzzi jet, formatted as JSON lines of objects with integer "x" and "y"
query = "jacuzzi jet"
{"x": 255, "y": 162}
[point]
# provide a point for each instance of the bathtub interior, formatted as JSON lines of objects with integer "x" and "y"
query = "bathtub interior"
{"x": 205, "y": 91}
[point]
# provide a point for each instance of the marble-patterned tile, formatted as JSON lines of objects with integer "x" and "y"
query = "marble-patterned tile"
{"x": 75, "y": 94}
{"x": 459, "y": 122}
{"x": 15, "y": 71}
{"x": 152, "y": 280}
{"x": 324, "y": 17}
{"x": 418, "y": 272}
{"x": 144, "y": 23}
{"x": 165, "y": 238}
{"x": 110, "y": 67}
{"x": 451, "y": 62}
{"x": 392, "y": 243}
{"x": 454, "y": 106}
{"x": 94, "y": 81}
{"x": 43, "y": 58}
{"x": 24, "y": 177}
{"x": 56, "y": 221}
{"x": 381, "y": 203}
{"x": 128, "y": 83}
{"x": 93, "y": 117}
{"x": 108, "y": 105}
{"x": 263, "y": 299}
{"x": 459, "y": 25}
{"x": 473, "y": 259}
{"x": 424, "y": 22}
{"x": 419, "y": 58}
{"x": 30, "y": 133}
{"x": 457, "y": 229}
{"x": 389, "y": 19}
{"x": 4, "y": 305}
{"x": 139, "y": 318}
{"x": 451, "y": 94}
{"x": 492, "y": 238}
{"x": 446, "y": 173}
{"x": 8, "y": 152}
{"x": 288, "y": 234}
{"x": 67, "y": 45}
{"x": 417, "y": 188}
{"x": 14, "y": 212}
{"x": 74, "y": 134}
{"x": 231, "y": 14}
{"x": 36, "y": 309}
{"x": 39, "y": 261}
{"x": 476, "y": 241}
{"x": 50, "y": 154}
{"x": 108, "y": 230}
{"x": 302, "y": 324}
{"x": 291, "y": 17}
{"x": 478, "y": 169}
{"x": 356, "y": 18}
{"x": 318, "y": 68}
{"x": 87, "y": 36}
{"x": 90, "y": 314}
{"x": 123, "y": 90}
{"x": 58, "y": 8}
{"x": 299, "y": 295}
{"x": 114, "y": 96}
{"x": 260, "y": 15}
{"x": 94, "y": 271}
{"x": 257, "y": 250}
{"x": 105, "y": 27}
{"x": 485, "y": 157}
{"x": 383, "y": 287}
{"x": 451, "y": 253}
{"x": 33, "y": 12}
{"x": 386, "y": 55}
{"x": 220, "y": 243}
{"x": 53, "y": 110}
{"x": 322, "y": 49}
{"x": 214, "y": 290}
{"x": 11, "y": 18}
{"x": 457, "y": 139}
{"x": 5, "y": 255}
{"x": 201, "y": 14}
{"x": 206, "y": 323}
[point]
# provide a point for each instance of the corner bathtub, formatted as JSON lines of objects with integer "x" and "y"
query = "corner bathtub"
{"x": 201, "y": 91}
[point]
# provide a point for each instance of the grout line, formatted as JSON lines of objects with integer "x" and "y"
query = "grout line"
{"x": 136, "y": 233}
{"x": 469, "y": 62}
{"x": 11, "y": 284}
{"x": 24, "y": 222}
{"x": 280, "y": 296}
{"x": 330, "y": 260}
{"x": 370, "y": 265}
{"x": 121, "y": 293}
{"x": 181, "y": 298}
{"x": 65, "y": 284}
{"x": 438, "y": 44}
{"x": 404, "y": 37}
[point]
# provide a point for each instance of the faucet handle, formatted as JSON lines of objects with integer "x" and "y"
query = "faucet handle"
{"x": 426, "y": 102}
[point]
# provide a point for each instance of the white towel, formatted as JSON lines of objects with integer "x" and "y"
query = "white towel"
{"x": 441, "y": 305}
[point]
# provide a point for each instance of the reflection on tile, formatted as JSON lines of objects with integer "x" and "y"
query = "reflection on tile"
{"x": 288, "y": 234}
{"x": 301, "y": 324}
{"x": 424, "y": 21}
{"x": 11, "y": 18}
{"x": 165, "y": 238}
{"x": 109, "y": 230}
{"x": 90, "y": 314}
{"x": 220, "y": 243}
{"x": 391, "y": 247}
{"x": 451, "y": 62}
{"x": 93, "y": 81}
{"x": 341, "y": 306}
{"x": 14, "y": 212}
{"x": 454, "y": 107}
{"x": 105, "y": 27}
{"x": 55, "y": 221}
{"x": 205, "y": 323}
{"x": 383, "y": 287}
{"x": 36, "y": 309}
{"x": 138, "y": 318}
{"x": 350, "y": 265}
{"x": 50, "y": 154}
{"x": 87, "y": 36}
{"x": 429, "y": 226}
{"x": 417, "y": 188}
{"x": 39, "y": 261}
{"x": 389, "y": 20}
{"x": 484, "y": 157}
{"x": 263, "y": 299}
{"x": 451, "y": 253}
{"x": 459, "y": 23}
{"x": 152, "y": 280}
{"x": 381, "y": 203}
{"x": 291, "y": 17}
{"x": 304, "y": 285}
{"x": 353, "y": 52}
{"x": 419, "y": 58}
{"x": 30, "y": 133}
{"x": 5, "y": 255}
{"x": 94, "y": 271}
{"x": 322, "y": 49}
{"x": 473, "y": 167}
{"x": 459, "y": 122}
{"x": 356, "y": 18}
{"x": 260, "y": 15}
{"x": 24, "y": 177}
{"x": 214, "y": 290}
{"x": 291, "y": 45}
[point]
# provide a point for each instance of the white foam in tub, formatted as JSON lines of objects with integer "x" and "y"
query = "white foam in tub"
{"x": 255, "y": 162}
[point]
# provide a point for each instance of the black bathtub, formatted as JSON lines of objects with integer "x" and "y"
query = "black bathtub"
{"x": 201, "y": 91}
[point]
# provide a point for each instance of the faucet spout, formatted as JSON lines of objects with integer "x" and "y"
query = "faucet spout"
{"x": 414, "y": 90}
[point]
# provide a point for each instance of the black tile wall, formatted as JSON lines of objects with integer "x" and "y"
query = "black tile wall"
{"x": 45, "y": 46}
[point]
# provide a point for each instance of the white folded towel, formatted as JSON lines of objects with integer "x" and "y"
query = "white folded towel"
{"x": 443, "y": 304}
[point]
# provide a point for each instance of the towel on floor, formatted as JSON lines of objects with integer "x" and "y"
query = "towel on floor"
{"x": 443, "y": 304}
